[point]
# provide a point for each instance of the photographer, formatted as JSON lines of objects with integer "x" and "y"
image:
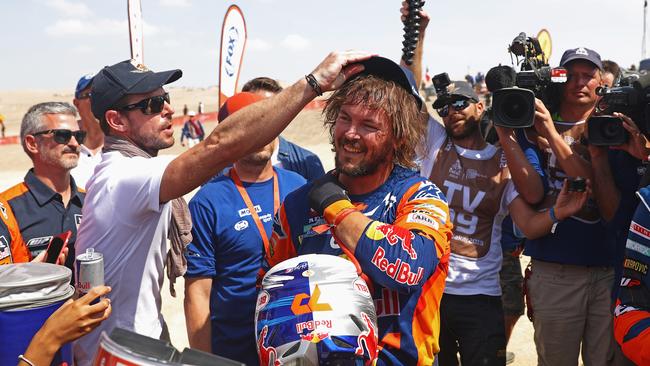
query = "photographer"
{"x": 572, "y": 268}
{"x": 480, "y": 189}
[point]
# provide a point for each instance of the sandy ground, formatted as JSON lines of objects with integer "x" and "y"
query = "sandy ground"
{"x": 306, "y": 131}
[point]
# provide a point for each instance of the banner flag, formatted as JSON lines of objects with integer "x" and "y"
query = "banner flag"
{"x": 231, "y": 54}
{"x": 135, "y": 31}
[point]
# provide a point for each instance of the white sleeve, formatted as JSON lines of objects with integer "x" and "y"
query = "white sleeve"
{"x": 436, "y": 136}
{"x": 137, "y": 185}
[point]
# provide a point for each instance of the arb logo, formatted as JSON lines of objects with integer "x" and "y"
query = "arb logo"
{"x": 312, "y": 304}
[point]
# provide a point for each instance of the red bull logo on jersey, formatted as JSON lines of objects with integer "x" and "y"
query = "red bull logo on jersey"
{"x": 268, "y": 355}
{"x": 367, "y": 340}
{"x": 395, "y": 235}
{"x": 398, "y": 270}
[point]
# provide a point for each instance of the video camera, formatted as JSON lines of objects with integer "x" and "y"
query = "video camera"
{"x": 631, "y": 96}
{"x": 513, "y": 106}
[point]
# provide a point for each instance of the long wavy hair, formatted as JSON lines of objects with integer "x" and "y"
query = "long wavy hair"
{"x": 408, "y": 122}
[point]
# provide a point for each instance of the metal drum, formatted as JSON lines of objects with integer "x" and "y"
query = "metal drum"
{"x": 315, "y": 309}
{"x": 29, "y": 294}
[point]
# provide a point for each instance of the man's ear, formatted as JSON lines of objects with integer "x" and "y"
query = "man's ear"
{"x": 480, "y": 107}
{"x": 116, "y": 121}
{"x": 31, "y": 145}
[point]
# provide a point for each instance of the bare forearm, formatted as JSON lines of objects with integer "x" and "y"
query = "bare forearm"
{"x": 41, "y": 349}
{"x": 199, "y": 331}
{"x": 605, "y": 193}
{"x": 351, "y": 228}
{"x": 570, "y": 162}
{"x": 525, "y": 177}
{"x": 239, "y": 134}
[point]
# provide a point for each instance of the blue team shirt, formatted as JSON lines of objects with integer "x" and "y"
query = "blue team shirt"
{"x": 227, "y": 246}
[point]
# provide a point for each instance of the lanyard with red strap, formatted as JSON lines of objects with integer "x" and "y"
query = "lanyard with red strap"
{"x": 251, "y": 208}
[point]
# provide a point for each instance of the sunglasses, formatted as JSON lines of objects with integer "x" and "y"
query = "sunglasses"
{"x": 457, "y": 105}
{"x": 62, "y": 136}
{"x": 152, "y": 105}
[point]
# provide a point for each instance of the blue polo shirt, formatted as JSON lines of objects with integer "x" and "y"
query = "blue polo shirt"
{"x": 227, "y": 247}
{"x": 41, "y": 214}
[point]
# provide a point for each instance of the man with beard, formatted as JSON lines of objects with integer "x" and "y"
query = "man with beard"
{"x": 134, "y": 201}
{"x": 392, "y": 218}
{"x": 481, "y": 192}
{"x": 48, "y": 201}
{"x": 232, "y": 221}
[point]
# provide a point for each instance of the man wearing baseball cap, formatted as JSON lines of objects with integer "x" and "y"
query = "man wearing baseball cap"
{"x": 134, "y": 201}
{"x": 375, "y": 209}
{"x": 571, "y": 313}
{"x": 90, "y": 150}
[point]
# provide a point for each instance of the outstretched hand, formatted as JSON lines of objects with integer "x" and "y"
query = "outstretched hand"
{"x": 338, "y": 67}
{"x": 568, "y": 203}
{"x": 543, "y": 120}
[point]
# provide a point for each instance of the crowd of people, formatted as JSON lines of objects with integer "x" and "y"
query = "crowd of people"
{"x": 433, "y": 216}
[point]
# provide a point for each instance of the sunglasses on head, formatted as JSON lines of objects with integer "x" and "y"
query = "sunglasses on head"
{"x": 457, "y": 105}
{"x": 62, "y": 136}
{"x": 152, "y": 105}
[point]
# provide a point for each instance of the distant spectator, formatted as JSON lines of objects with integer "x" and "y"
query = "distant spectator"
{"x": 611, "y": 73}
{"x": 2, "y": 126}
{"x": 193, "y": 131}
{"x": 201, "y": 110}
{"x": 90, "y": 150}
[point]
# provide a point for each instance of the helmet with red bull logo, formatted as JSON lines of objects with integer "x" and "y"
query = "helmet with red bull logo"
{"x": 315, "y": 310}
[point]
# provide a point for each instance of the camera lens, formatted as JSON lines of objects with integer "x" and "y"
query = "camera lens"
{"x": 515, "y": 108}
{"x": 611, "y": 129}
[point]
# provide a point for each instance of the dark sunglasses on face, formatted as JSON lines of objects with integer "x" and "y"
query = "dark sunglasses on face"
{"x": 62, "y": 136}
{"x": 457, "y": 105}
{"x": 152, "y": 105}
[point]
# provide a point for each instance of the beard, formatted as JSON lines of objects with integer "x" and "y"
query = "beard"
{"x": 368, "y": 164}
{"x": 63, "y": 159}
{"x": 470, "y": 127}
{"x": 260, "y": 157}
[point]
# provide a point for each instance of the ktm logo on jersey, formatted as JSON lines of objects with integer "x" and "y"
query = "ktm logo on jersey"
{"x": 312, "y": 305}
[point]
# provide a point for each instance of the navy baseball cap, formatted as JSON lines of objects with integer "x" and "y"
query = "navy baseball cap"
{"x": 114, "y": 82}
{"x": 581, "y": 53}
{"x": 388, "y": 70}
{"x": 456, "y": 90}
{"x": 82, "y": 84}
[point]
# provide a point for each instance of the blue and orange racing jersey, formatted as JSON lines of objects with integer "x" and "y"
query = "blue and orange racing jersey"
{"x": 632, "y": 312}
{"x": 404, "y": 251}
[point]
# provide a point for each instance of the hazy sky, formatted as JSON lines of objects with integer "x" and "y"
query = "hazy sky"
{"x": 49, "y": 44}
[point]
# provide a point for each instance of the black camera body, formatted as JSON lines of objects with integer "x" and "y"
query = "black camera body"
{"x": 514, "y": 107}
{"x": 631, "y": 97}
{"x": 606, "y": 131}
{"x": 577, "y": 184}
{"x": 440, "y": 83}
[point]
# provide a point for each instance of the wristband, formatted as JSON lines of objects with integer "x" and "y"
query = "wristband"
{"x": 332, "y": 211}
{"x": 25, "y": 360}
{"x": 311, "y": 80}
{"x": 342, "y": 214}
